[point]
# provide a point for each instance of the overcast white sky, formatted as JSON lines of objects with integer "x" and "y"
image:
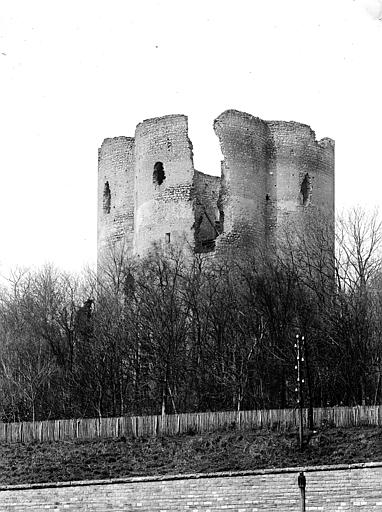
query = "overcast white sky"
{"x": 75, "y": 72}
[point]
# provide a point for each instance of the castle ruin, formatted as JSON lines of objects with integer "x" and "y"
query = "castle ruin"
{"x": 149, "y": 192}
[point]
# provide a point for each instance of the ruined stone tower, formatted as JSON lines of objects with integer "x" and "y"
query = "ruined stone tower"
{"x": 149, "y": 193}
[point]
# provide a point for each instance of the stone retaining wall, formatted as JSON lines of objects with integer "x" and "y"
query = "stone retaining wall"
{"x": 357, "y": 487}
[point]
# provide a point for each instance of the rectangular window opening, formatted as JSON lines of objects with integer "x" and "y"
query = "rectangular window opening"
{"x": 168, "y": 238}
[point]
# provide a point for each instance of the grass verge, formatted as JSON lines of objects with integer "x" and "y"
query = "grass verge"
{"x": 199, "y": 453}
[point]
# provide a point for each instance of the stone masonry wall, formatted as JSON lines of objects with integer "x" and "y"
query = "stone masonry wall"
{"x": 298, "y": 156}
{"x": 163, "y": 211}
{"x": 330, "y": 489}
{"x": 275, "y": 175}
{"x": 116, "y": 176}
{"x": 244, "y": 141}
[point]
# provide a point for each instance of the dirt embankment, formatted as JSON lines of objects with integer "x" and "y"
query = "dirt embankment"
{"x": 219, "y": 451}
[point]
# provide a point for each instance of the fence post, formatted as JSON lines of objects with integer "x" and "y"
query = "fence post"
{"x": 302, "y": 484}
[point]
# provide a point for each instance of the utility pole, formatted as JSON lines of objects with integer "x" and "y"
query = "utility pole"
{"x": 300, "y": 381}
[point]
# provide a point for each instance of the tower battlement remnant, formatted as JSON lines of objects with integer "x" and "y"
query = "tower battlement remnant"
{"x": 149, "y": 192}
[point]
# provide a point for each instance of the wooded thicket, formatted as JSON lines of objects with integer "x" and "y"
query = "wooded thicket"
{"x": 178, "y": 333}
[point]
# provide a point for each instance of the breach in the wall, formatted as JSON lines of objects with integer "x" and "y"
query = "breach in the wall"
{"x": 150, "y": 194}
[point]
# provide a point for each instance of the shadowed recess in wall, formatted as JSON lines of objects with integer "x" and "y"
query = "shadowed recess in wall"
{"x": 158, "y": 174}
{"x": 106, "y": 198}
{"x": 306, "y": 189}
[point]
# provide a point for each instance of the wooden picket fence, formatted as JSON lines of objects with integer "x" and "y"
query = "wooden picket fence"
{"x": 149, "y": 426}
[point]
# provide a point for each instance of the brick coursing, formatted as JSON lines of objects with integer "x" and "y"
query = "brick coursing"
{"x": 329, "y": 489}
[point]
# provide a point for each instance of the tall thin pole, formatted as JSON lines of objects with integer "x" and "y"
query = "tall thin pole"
{"x": 300, "y": 359}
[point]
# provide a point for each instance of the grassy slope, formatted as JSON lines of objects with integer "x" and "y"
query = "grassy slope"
{"x": 218, "y": 451}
